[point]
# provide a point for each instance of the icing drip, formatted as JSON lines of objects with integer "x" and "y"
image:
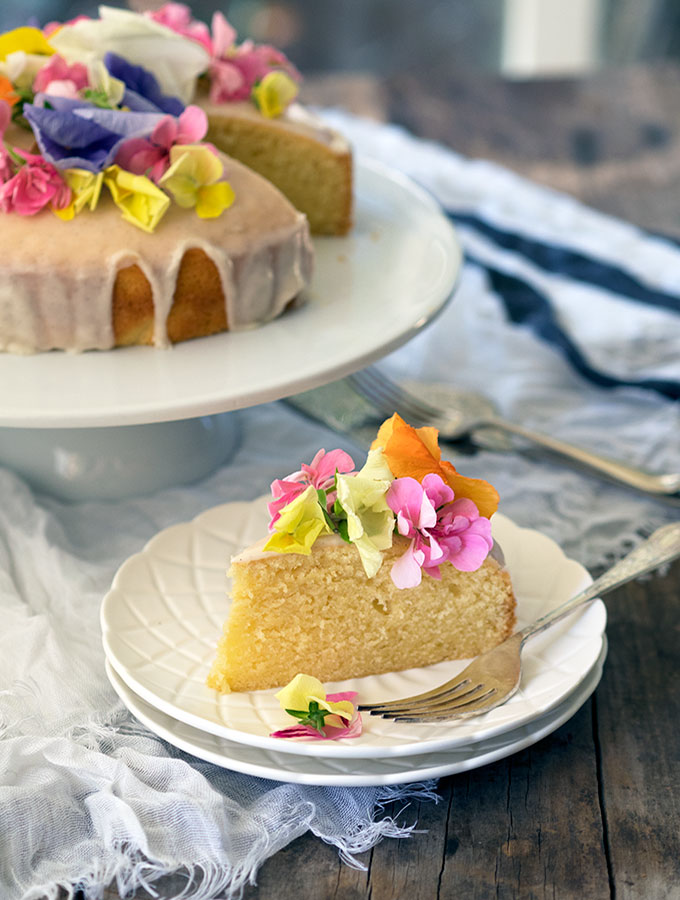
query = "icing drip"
{"x": 57, "y": 278}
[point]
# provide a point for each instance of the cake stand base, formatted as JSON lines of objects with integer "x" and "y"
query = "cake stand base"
{"x": 113, "y": 463}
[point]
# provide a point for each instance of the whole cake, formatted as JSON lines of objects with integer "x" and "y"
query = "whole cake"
{"x": 379, "y": 570}
{"x": 122, "y": 221}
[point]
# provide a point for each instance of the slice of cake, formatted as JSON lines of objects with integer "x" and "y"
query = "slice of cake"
{"x": 367, "y": 572}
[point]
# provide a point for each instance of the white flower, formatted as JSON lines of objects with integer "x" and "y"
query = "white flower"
{"x": 21, "y": 68}
{"x": 176, "y": 61}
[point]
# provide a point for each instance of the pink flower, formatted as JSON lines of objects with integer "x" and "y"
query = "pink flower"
{"x": 59, "y": 78}
{"x": 441, "y": 529}
{"x": 335, "y": 727}
{"x": 36, "y": 184}
{"x": 152, "y": 154}
{"x": 320, "y": 473}
{"x": 235, "y": 70}
{"x": 177, "y": 17}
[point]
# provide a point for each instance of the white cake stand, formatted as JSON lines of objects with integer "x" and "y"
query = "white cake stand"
{"x": 110, "y": 425}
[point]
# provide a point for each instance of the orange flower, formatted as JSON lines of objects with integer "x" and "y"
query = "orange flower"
{"x": 415, "y": 452}
{"x": 7, "y": 91}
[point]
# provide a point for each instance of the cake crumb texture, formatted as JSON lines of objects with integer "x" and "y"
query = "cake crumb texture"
{"x": 321, "y": 615}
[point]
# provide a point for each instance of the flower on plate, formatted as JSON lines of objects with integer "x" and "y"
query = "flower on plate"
{"x": 274, "y": 93}
{"x": 35, "y": 185}
{"x": 175, "y": 60}
{"x": 369, "y": 520}
{"x": 194, "y": 179}
{"x": 320, "y": 473}
{"x": 415, "y": 452}
{"x": 141, "y": 202}
{"x": 441, "y": 529}
{"x": 74, "y": 134}
{"x": 152, "y": 155}
{"x": 299, "y": 524}
{"x": 320, "y": 716}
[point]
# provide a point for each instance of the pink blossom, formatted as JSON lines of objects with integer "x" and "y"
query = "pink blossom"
{"x": 235, "y": 70}
{"x": 177, "y": 17}
{"x": 59, "y": 78}
{"x": 320, "y": 473}
{"x": 441, "y": 529}
{"x": 335, "y": 727}
{"x": 35, "y": 185}
{"x": 152, "y": 154}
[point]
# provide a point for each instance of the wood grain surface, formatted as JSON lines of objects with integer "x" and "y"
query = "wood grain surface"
{"x": 592, "y": 811}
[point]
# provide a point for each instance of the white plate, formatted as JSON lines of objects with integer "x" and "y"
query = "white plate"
{"x": 164, "y": 614}
{"x": 371, "y": 292}
{"x": 353, "y": 772}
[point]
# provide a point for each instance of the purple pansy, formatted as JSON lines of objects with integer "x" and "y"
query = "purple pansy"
{"x": 75, "y": 134}
{"x": 142, "y": 91}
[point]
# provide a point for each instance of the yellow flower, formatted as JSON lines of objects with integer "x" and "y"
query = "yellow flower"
{"x": 370, "y": 521}
{"x": 193, "y": 179}
{"x": 299, "y": 524}
{"x": 141, "y": 202}
{"x": 274, "y": 93}
{"x": 28, "y": 40}
{"x": 85, "y": 191}
{"x": 304, "y": 689}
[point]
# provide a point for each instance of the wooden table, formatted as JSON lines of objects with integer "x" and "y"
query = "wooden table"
{"x": 592, "y": 811}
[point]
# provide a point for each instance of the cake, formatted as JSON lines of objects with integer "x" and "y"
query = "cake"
{"x": 367, "y": 572}
{"x": 122, "y": 220}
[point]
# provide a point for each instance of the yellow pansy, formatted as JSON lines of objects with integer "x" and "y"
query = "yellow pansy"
{"x": 193, "y": 179}
{"x": 274, "y": 93}
{"x": 85, "y": 191}
{"x": 299, "y": 524}
{"x": 141, "y": 202}
{"x": 29, "y": 40}
{"x": 304, "y": 689}
{"x": 370, "y": 521}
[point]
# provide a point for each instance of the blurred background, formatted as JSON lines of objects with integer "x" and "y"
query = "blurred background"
{"x": 519, "y": 38}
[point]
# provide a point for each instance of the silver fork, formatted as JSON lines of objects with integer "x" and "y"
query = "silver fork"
{"x": 493, "y": 677}
{"x": 457, "y": 412}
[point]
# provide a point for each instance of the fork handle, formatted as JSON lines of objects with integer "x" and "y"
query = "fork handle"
{"x": 661, "y": 547}
{"x": 663, "y": 485}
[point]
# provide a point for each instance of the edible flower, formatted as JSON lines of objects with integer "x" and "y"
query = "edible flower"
{"x": 25, "y": 40}
{"x": 299, "y": 524}
{"x": 85, "y": 191}
{"x": 369, "y": 519}
{"x": 415, "y": 452}
{"x": 177, "y": 17}
{"x": 321, "y": 716}
{"x": 141, "y": 202}
{"x": 59, "y": 78}
{"x": 36, "y": 185}
{"x": 7, "y": 93}
{"x": 193, "y": 179}
{"x": 6, "y": 168}
{"x": 274, "y": 93}
{"x": 73, "y": 134}
{"x": 441, "y": 529}
{"x": 152, "y": 155}
{"x": 142, "y": 91}
{"x": 320, "y": 473}
{"x": 175, "y": 60}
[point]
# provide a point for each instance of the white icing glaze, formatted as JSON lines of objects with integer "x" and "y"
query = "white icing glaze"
{"x": 57, "y": 277}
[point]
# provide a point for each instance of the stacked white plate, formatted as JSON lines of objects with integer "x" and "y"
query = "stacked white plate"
{"x": 164, "y": 614}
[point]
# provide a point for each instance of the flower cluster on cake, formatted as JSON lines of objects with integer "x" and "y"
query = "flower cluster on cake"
{"x": 369, "y": 571}
{"x": 132, "y": 114}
